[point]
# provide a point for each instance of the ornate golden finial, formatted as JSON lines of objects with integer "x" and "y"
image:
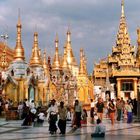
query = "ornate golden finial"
{"x": 56, "y": 40}
{"x": 68, "y": 36}
{"x": 19, "y": 50}
{"x": 122, "y": 5}
{"x": 35, "y": 58}
{"x": 56, "y": 61}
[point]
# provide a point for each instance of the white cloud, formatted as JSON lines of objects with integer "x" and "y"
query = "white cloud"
{"x": 93, "y": 23}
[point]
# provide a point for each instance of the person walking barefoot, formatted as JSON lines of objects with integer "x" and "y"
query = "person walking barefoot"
{"x": 111, "y": 110}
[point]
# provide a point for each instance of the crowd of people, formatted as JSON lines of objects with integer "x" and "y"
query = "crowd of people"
{"x": 57, "y": 115}
{"x": 116, "y": 110}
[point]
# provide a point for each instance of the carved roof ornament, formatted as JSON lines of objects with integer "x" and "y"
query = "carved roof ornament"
{"x": 19, "y": 50}
{"x": 4, "y": 61}
{"x": 123, "y": 52}
{"x": 35, "y": 57}
{"x": 4, "y": 64}
{"x": 123, "y": 35}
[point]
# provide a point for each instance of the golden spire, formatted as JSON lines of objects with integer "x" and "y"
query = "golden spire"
{"x": 68, "y": 36}
{"x": 4, "y": 64}
{"x": 122, "y": 5}
{"x": 69, "y": 53}
{"x": 35, "y": 58}
{"x": 56, "y": 41}
{"x": 19, "y": 50}
{"x": 45, "y": 65}
{"x": 81, "y": 69}
{"x": 123, "y": 35}
{"x": 56, "y": 61}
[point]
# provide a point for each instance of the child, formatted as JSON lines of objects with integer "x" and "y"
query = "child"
{"x": 129, "y": 108}
{"x": 68, "y": 114}
{"x": 84, "y": 117}
{"x": 99, "y": 130}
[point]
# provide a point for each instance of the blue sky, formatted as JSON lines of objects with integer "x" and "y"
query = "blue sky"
{"x": 93, "y": 24}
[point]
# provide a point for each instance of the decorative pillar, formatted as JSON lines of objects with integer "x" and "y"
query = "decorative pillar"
{"x": 21, "y": 90}
{"x": 36, "y": 94}
{"x": 26, "y": 89}
{"x": 16, "y": 100}
{"x": 118, "y": 88}
{"x": 135, "y": 87}
{"x": 45, "y": 95}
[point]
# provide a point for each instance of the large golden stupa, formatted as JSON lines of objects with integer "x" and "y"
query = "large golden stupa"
{"x": 40, "y": 79}
{"x": 119, "y": 74}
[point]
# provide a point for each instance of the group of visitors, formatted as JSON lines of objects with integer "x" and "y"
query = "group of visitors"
{"x": 62, "y": 114}
{"x": 5, "y": 105}
{"x": 58, "y": 115}
{"x": 115, "y": 110}
{"x": 29, "y": 113}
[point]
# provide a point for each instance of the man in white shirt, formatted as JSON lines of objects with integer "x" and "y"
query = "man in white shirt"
{"x": 52, "y": 112}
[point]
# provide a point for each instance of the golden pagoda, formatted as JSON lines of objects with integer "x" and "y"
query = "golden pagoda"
{"x": 42, "y": 81}
{"x": 84, "y": 84}
{"x": 15, "y": 75}
{"x": 118, "y": 75}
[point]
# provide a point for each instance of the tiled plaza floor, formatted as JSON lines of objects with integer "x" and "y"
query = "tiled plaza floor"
{"x": 12, "y": 130}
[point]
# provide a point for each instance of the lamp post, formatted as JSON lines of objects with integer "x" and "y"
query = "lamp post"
{"x": 5, "y": 37}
